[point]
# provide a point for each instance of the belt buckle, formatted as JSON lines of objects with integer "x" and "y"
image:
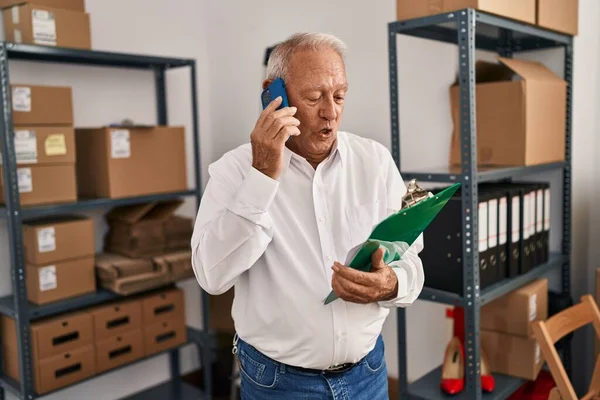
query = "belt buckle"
{"x": 336, "y": 368}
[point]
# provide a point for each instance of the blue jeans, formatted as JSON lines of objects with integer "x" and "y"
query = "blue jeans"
{"x": 265, "y": 379}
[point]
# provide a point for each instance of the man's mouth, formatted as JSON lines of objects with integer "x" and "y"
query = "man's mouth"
{"x": 326, "y": 131}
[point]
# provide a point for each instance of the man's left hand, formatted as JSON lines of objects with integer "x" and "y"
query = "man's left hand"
{"x": 365, "y": 287}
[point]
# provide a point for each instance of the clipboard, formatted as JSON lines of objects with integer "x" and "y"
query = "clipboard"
{"x": 404, "y": 226}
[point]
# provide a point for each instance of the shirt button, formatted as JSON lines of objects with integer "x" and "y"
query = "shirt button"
{"x": 322, "y": 219}
{"x": 330, "y": 258}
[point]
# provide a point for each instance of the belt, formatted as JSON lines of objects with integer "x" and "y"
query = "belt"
{"x": 333, "y": 369}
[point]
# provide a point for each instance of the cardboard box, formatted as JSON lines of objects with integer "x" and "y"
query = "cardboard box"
{"x": 48, "y": 26}
{"x": 53, "y": 336}
{"x": 165, "y": 335}
{"x": 133, "y": 161}
{"x": 512, "y": 355}
{"x": 522, "y": 10}
{"x": 126, "y": 276}
{"x": 73, "y": 5}
{"x": 514, "y": 312}
{"x": 139, "y": 230}
{"x": 559, "y": 15}
{"x": 119, "y": 350}
{"x": 177, "y": 264}
{"x": 57, "y": 371}
{"x": 59, "y": 238}
{"x": 61, "y": 280}
{"x": 178, "y": 232}
{"x": 521, "y": 114}
{"x": 42, "y": 105}
{"x": 116, "y": 319}
{"x": 162, "y": 307}
{"x": 40, "y": 185}
{"x": 52, "y": 145}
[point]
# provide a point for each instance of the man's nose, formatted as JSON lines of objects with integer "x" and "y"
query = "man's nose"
{"x": 328, "y": 110}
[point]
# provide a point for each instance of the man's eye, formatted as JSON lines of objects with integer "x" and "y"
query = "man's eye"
{"x": 339, "y": 98}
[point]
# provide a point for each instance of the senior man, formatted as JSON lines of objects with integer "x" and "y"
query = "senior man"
{"x": 278, "y": 216}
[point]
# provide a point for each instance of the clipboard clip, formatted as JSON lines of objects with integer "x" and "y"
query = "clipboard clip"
{"x": 414, "y": 194}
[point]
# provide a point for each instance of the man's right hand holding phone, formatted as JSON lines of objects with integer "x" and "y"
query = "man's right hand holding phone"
{"x": 268, "y": 138}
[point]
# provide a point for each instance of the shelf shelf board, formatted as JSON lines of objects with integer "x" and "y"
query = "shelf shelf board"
{"x": 31, "y": 212}
{"x": 10, "y": 385}
{"x": 36, "y": 311}
{"x": 38, "y": 53}
{"x": 499, "y": 289}
{"x": 443, "y": 27}
{"x": 14, "y": 387}
{"x": 452, "y": 174}
{"x": 170, "y": 390}
{"x": 428, "y": 387}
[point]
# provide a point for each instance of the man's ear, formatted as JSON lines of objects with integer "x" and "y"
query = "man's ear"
{"x": 266, "y": 83}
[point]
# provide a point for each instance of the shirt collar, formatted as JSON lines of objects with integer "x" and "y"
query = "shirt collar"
{"x": 339, "y": 150}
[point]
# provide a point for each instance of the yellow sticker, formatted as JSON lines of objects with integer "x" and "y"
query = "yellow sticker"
{"x": 55, "y": 145}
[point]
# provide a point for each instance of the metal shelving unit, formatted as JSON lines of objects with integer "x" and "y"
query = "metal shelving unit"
{"x": 470, "y": 29}
{"x": 17, "y": 305}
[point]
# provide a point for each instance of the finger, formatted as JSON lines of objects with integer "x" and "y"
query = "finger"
{"x": 377, "y": 259}
{"x": 281, "y": 123}
{"x": 353, "y": 275}
{"x": 286, "y": 132}
{"x": 274, "y": 116}
{"x": 272, "y": 106}
{"x": 349, "y": 291}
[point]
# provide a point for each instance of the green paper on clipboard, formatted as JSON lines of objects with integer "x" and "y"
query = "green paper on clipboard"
{"x": 397, "y": 232}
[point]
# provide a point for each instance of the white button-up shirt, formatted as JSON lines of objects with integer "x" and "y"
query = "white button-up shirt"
{"x": 276, "y": 241}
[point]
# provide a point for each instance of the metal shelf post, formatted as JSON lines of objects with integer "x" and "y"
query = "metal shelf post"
{"x": 468, "y": 144}
{"x": 13, "y": 209}
{"x": 567, "y": 202}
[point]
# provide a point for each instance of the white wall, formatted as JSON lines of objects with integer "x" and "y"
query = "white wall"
{"x": 228, "y": 38}
{"x": 105, "y": 95}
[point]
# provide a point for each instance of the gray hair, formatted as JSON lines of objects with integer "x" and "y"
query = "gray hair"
{"x": 277, "y": 66}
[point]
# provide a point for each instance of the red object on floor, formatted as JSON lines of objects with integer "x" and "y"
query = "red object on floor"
{"x": 458, "y": 325}
{"x": 535, "y": 390}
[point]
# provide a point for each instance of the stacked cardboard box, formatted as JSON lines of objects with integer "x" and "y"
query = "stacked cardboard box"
{"x": 60, "y": 258}
{"x": 75, "y": 346}
{"x": 558, "y": 15}
{"x": 506, "y": 333}
{"x": 117, "y": 334}
{"x": 521, "y": 114}
{"x": 146, "y": 246}
{"x": 163, "y": 317}
{"x": 44, "y": 144}
{"x": 62, "y": 350}
{"x": 62, "y": 23}
{"x": 130, "y": 161}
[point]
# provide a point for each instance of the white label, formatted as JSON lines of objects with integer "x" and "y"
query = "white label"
{"x": 539, "y": 211}
{"x": 46, "y": 240}
{"x": 26, "y": 147}
{"x": 547, "y": 210}
{"x": 532, "y": 203}
{"x": 526, "y": 216}
{"x": 533, "y": 307}
{"x": 21, "y": 99}
{"x": 18, "y": 36}
{"x": 44, "y": 27}
{"x": 493, "y": 231}
{"x": 24, "y": 179}
{"x": 120, "y": 146}
{"x": 48, "y": 278}
{"x": 538, "y": 356}
{"x": 515, "y": 219}
{"x": 15, "y": 15}
{"x": 503, "y": 221}
{"x": 483, "y": 226}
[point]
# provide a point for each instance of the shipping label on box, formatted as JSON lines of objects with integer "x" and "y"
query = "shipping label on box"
{"x": 21, "y": 98}
{"x": 44, "y": 27}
